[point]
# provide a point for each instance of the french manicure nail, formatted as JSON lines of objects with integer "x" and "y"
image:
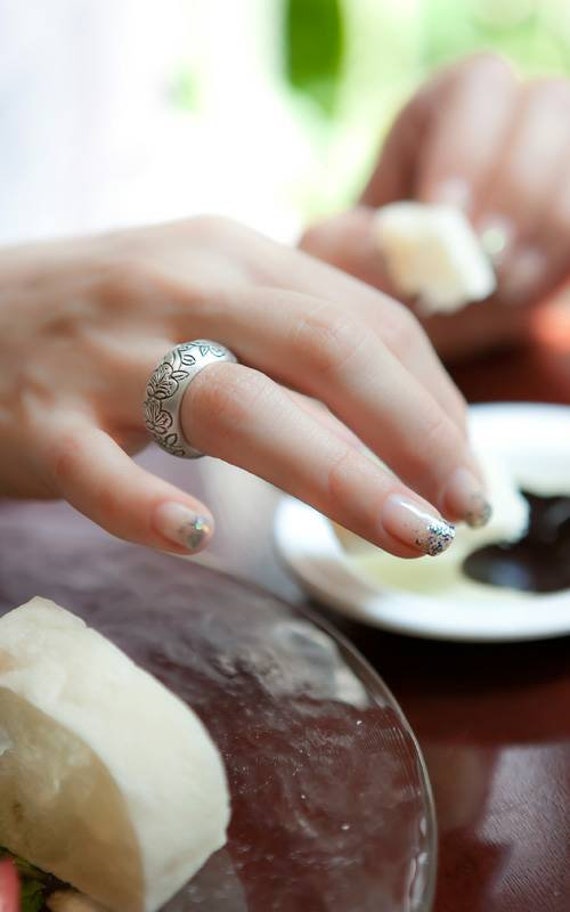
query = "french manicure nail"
{"x": 496, "y": 235}
{"x": 182, "y": 526}
{"x": 522, "y": 275}
{"x": 412, "y": 525}
{"x": 465, "y": 497}
{"x": 452, "y": 192}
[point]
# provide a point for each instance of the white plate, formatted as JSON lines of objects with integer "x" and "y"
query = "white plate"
{"x": 534, "y": 442}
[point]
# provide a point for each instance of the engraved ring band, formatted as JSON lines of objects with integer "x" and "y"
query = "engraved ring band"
{"x": 166, "y": 388}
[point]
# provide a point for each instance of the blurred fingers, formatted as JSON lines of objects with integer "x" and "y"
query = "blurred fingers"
{"x": 347, "y": 241}
{"x": 443, "y": 142}
{"x": 467, "y": 133}
{"x": 525, "y": 189}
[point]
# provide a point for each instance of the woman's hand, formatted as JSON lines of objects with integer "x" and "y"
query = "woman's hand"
{"x": 480, "y": 138}
{"x": 83, "y": 324}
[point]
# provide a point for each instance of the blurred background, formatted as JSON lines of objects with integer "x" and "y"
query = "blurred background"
{"x": 116, "y": 112}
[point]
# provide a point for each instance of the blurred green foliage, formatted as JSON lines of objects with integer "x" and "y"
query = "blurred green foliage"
{"x": 533, "y": 33}
{"x": 314, "y": 43}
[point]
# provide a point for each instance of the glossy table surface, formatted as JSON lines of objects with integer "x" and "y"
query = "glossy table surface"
{"x": 493, "y": 722}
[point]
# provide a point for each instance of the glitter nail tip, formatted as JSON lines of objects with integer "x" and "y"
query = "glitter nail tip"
{"x": 437, "y": 538}
{"x": 182, "y": 526}
{"x": 194, "y": 531}
{"x": 414, "y": 526}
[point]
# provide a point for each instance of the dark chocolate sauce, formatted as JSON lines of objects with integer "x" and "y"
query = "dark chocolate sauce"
{"x": 539, "y": 562}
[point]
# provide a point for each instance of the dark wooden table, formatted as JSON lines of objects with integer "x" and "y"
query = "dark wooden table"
{"x": 493, "y": 721}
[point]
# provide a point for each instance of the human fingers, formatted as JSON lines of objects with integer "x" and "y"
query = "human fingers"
{"x": 84, "y": 465}
{"x": 525, "y": 190}
{"x": 467, "y": 132}
{"x": 217, "y": 256}
{"x": 443, "y": 140}
{"x": 321, "y": 414}
{"x": 244, "y": 417}
{"x": 497, "y": 148}
{"x": 348, "y": 242}
{"x": 308, "y": 345}
{"x": 444, "y": 147}
{"x": 394, "y": 175}
{"x": 290, "y": 438}
{"x": 298, "y": 339}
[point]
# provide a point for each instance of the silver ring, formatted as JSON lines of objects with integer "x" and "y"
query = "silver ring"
{"x": 166, "y": 387}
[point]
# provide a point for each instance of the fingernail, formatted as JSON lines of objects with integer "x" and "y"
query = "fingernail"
{"x": 182, "y": 526}
{"x": 465, "y": 497}
{"x": 453, "y": 192}
{"x": 412, "y": 525}
{"x": 496, "y": 235}
{"x": 522, "y": 275}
